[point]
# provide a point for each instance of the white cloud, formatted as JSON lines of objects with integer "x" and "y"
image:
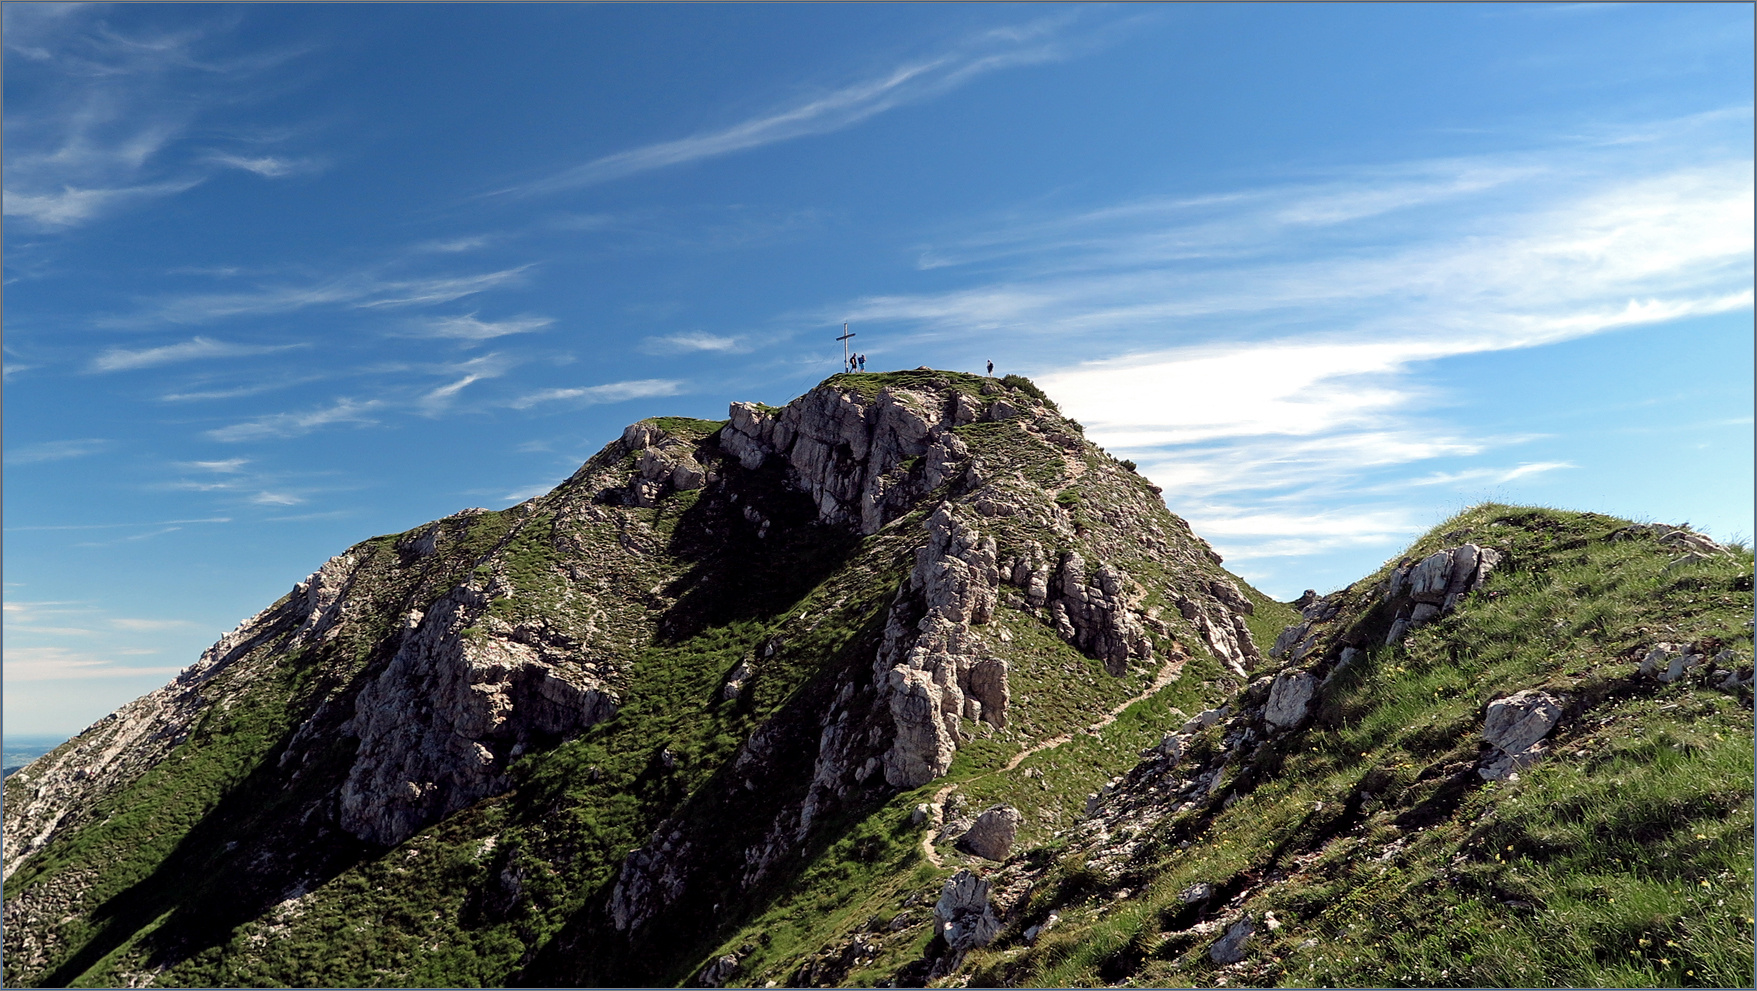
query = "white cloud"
{"x": 59, "y": 663}
{"x": 70, "y": 206}
{"x": 529, "y": 492}
{"x": 613, "y": 392}
{"x": 1492, "y": 476}
{"x": 832, "y": 111}
{"x": 1202, "y": 393}
{"x": 118, "y": 526}
{"x": 228, "y": 466}
{"x": 1265, "y": 353}
{"x": 194, "y": 349}
{"x": 105, "y": 115}
{"x": 267, "y": 166}
{"x": 55, "y": 450}
{"x": 357, "y": 291}
{"x": 488, "y": 366}
{"x": 276, "y": 499}
{"x": 687, "y": 342}
{"x": 149, "y": 625}
{"x": 455, "y": 245}
{"x": 469, "y": 328}
{"x": 424, "y": 292}
{"x": 282, "y": 425}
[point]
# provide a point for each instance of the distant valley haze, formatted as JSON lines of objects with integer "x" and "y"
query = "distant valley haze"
{"x": 280, "y": 278}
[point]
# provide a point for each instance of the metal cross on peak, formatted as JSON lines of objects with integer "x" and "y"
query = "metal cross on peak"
{"x": 846, "y": 334}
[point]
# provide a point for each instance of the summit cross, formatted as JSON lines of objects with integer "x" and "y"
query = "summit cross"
{"x": 846, "y": 334}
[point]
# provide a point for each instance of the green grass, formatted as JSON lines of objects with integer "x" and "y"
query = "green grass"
{"x": 1624, "y": 860}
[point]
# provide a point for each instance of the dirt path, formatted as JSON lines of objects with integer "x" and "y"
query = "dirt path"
{"x": 936, "y": 808}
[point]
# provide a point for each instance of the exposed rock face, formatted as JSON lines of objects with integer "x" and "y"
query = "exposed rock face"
{"x": 1434, "y": 585}
{"x": 438, "y": 725}
{"x": 840, "y": 447}
{"x": 720, "y": 970}
{"x": 1093, "y": 613}
{"x": 991, "y": 835}
{"x": 663, "y": 464}
{"x": 1417, "y": 592}
{"x": 1230, "y": 948}
{"x": 1290, "y": 696}
{"x": 932, "y": 665}
{"x": 652, "y": 877}
{"x": 963, "y": 914}
{"x": 1514, "y": 727}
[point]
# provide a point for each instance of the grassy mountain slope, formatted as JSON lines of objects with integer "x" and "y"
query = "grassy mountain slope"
{"x": 1622, "y": 860}
{"x": 219, "y": 855}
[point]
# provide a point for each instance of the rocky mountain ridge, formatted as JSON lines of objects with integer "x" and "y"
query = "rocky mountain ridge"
{"x": 407, "y": 679}
{"x": 890, "y": 685}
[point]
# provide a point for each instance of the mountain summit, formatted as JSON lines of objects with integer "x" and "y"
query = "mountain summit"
{"x": 877, "y": 687}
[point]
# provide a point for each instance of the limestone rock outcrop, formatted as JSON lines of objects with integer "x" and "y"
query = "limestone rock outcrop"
{"x": 843, "y": 448}
{"x": 991, "y": 835}
{"x": 1092, "y": 612}
{"x": 1433, "y": 586}
{"x": 1230, "y": 948}
{"x": 1416, "y": 593}
{"x": 652, "y": 877}
{"x": 1514, "y": 727}
{"x": 1290, "y": 698}
{"x": 932, "y": 670}
{"x": 457, "y": 701}
{"x": 963, "y": 915}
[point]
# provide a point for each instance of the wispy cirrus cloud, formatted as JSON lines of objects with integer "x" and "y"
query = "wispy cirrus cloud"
{"x": 108, "y": 124}
{"x": 56, "y": 450}
{"x": 194, "y": 349}
{"x": 356, "y": 291}
{"x": 488, "y": 366}
{"x": 56, "y": 663}
{"x": 1042, "y": 41}
{"x": 277, "y": 426}
{"x": 1491, "y": 476}
{"x": 145, "y": 625}
{"x": 117, "y": 526}
{"x": 692, "y": 341}
{"x": 469, "y": 327}
{"x": 611, "y": 392}
{"x": 267, "y": 166}
{"x": 1270, "y": 347}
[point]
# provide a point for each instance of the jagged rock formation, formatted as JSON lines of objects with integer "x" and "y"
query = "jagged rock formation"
{"x": 941, "y": 671}
{"x": 932, "y": 668}
{"x": 963, "y": 916}
{"x": 438, "y": 725}
{"x": 1417, "y": 592}
{"x": 626, "y": 704}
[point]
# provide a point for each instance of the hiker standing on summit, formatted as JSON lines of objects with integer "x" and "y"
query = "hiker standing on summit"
{"x": 991, "y": 368}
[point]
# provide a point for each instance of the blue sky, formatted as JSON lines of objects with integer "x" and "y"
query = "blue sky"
{"x": 281, "y": 278}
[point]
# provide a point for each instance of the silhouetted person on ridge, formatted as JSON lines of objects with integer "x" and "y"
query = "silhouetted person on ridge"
{"x": 991, "y": 368}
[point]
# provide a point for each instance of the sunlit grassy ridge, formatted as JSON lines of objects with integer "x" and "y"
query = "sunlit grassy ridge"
{"x": 1624, "y": 860}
